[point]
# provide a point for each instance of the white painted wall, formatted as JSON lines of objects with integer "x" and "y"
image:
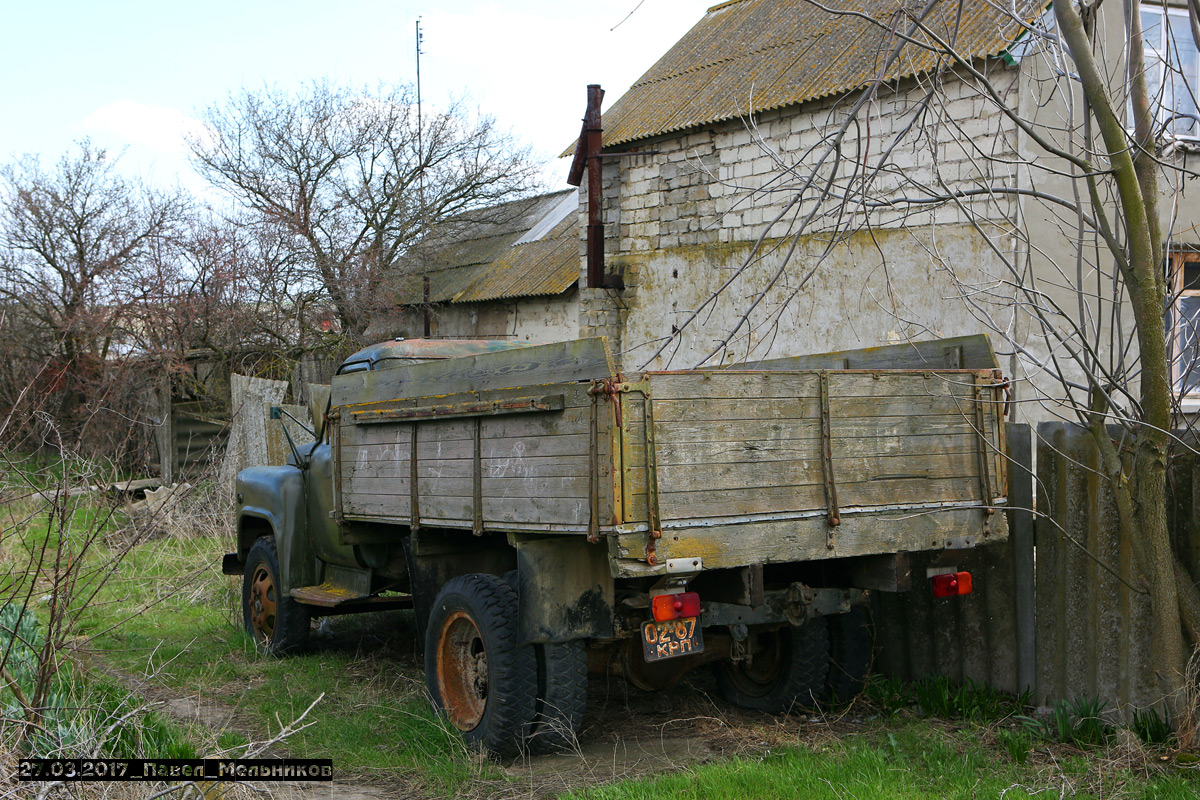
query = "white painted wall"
{"x": 680, "y": 224}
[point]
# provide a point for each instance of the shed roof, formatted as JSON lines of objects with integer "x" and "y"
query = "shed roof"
{"x": 522, "y": 248}
{"x": 756, "y": 55}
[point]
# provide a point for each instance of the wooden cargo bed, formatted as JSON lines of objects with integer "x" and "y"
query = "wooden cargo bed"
{"x": 732, "y": 466}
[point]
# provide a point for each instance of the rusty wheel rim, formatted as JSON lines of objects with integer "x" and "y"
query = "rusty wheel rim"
{"x": 462, "y": 671}
{"x": 262, "y": 603}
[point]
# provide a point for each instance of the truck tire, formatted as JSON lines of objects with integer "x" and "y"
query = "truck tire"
{"x": 561, "y": 696}
{"x": 276, "y": 622}
{"x": 851, "y": 647}
{"x": 788, "y": 671}
{"x": 477, "y": 672}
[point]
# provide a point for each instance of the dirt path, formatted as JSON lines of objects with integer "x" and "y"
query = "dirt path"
{"x": 628, "y": 733}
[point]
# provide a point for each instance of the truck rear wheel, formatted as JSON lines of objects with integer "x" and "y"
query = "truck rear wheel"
{"x": 851, "y": 646}
{"x": 477, "y": 672}
{"x": 277, "y": 623}
{"x": 786, "y": 671}
{"x": 561, "y": 696}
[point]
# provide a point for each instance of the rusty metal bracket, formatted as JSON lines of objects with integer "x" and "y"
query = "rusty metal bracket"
{"x": 593, "y": 534}
{"x": 1006, "y": 385}
{"x": 608, "y": 389}
{"x": 477, "y": 478}
{"x": 652, "y": 512}
{"x": 985, "y": 478}
{"x": 834, "y": 515}
{"x": 413, "y": 494}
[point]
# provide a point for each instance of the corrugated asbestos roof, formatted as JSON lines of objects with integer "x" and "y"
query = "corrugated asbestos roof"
{"x": 475, "y": 257}
{"x": 775, "y": 53}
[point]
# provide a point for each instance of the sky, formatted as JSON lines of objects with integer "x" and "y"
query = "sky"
{"x": 132, "y": 76}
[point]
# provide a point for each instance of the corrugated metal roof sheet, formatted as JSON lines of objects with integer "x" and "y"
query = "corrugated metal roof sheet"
{"x": 473, "y": 257}
{"x": 548, "y": 266}
{"x": 775, "y": 53}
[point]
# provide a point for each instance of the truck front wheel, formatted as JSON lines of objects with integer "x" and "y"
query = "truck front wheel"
{"x": 277, "y": 623}
{"x": 786, "y": 669}
{"x": 477, "y": 672}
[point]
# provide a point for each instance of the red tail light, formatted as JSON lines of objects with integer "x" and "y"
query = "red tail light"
{"x": 951, "y": 584}
{"x": 673, "y": 606}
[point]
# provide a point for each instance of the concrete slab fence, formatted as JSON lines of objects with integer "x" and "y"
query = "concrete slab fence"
{"x": 1058, "y": 608}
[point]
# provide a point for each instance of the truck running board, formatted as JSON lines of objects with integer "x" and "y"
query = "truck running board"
{"x": 328, "y": 595}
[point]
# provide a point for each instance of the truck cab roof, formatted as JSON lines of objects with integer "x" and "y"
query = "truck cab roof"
{"x": 404, "y": 352}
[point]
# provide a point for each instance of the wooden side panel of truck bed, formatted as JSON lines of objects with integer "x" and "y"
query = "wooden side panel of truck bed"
{"x": 515, "y": 459}
{"x": 735, "y": 466}
{"x": 762, "y": 466}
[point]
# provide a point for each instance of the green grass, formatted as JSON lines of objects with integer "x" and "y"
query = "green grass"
{"x": 911, "y": 761}
{"x": 165, "y": 610}
{"x": 189, "y": 633}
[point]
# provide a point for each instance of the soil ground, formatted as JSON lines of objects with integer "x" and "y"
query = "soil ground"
{"x": 627, "y": 732}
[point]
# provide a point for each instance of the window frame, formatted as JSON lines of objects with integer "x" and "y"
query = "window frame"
{"x": 1177, "y": 259}
{"x": 1165, "y": 59}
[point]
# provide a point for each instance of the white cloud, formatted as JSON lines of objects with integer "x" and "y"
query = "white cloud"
{"x": 149, "y": 139}
{"x": 159, "y": 129}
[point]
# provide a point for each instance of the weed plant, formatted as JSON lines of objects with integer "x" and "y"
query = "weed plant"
{"x": 1152, "y": 729}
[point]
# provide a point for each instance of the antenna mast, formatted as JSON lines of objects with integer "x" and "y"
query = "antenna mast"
{"x": 420, "y": 147}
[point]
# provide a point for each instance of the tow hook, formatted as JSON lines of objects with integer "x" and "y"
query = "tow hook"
{"x": 798, "y": 603}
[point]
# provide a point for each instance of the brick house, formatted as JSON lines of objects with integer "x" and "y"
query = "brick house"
{"x": 723, "y": 253}
{"x": 706, "y": 158}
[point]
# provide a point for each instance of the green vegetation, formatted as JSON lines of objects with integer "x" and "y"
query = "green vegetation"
{"x": 158, "y": 609}
{"x": 171, "y": 613}
{"x": 909, "y": 760}
{"x": 74, "y": 717}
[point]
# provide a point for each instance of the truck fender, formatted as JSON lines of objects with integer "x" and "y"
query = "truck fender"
{"x": 270, "y": 500}
{"x": 565, "y": 589}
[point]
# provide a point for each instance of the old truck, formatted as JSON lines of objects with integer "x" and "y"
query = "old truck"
{"x": 543, "y": 514}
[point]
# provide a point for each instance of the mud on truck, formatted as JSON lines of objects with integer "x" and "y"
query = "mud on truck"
{"x": 543, "y": 515}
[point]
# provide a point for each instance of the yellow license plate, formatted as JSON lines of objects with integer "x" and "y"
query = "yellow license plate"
{"x": 679, "y": 637}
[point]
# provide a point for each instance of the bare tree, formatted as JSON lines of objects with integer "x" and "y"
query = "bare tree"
{"x": 75, "y": 244}
{"x": 351, "y": 179}
{"x": 226, "y": 285}
{"x": 1063, "y": 160}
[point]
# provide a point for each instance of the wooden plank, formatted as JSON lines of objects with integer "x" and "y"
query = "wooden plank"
{"x": 457, "y": 506}
{"x": 750, "y": 476}
{"x": 504, "y": 447}
{"x": 804, "y": 429}
{"x": 571, "y": 420}
{"x": 354, "y": 436}
{"x": 573, "y": 395}
{"x": 383, "y": 487}
{"x": 499, "y": 469}
{"x": 379, "y": 506}
{"x": 786, "y": 385}
{"x": 578, "y": 360}
{"x": 504, "y": 512}
{"x": 723, "y": 385}
{"x": 755, "y": 450}
{"x": 960, "y": 352}
{"x": 735, "y": 410}
{"x": 448, "y": 484}
{"x": 521, "y": 405}
{"x": 766, "y": 500}
{"x": 805, "y": 539}
{"x": 536, "y": 510}
{"x": 375, "y": 468}
{"x": 840, "y": 408}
